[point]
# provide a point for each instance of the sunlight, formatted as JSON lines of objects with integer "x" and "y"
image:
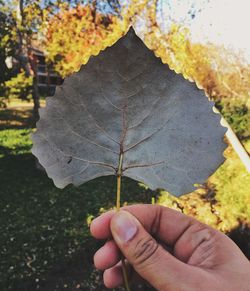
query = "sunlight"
{"x": 224, "y": 22}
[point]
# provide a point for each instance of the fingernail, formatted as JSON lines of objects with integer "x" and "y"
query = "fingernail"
{"x": 124, "y": 226}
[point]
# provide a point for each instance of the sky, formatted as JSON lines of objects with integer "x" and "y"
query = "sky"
{"x": 222, "y": 22}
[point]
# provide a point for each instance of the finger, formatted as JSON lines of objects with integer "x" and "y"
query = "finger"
{"x": 201, "y": 245}
{"x": 113, "y": 277}
{"x": 100, "y": 227}
{"x": 107, "y": 256}
{"x": 164, "y": 223}
{"x": 197, "y": 236}
{"x": 146, "y": 256}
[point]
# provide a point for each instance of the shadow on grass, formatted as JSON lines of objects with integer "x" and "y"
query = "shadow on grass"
{"x": 45, "y": 241}
{"x": 16, "y": 119}
{"x": 6, "y": 151}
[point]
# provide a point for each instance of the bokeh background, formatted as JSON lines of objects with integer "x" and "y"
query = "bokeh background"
{"x": 45, "y": 242}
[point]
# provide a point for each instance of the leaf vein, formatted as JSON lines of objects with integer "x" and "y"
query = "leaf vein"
{"x": 74, "y": 157}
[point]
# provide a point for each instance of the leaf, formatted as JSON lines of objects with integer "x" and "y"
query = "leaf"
{"x": 126, "y": 104}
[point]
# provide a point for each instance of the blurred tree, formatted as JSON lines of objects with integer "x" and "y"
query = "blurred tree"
{"x": 27, "y": 19}
{"x": 6, "y": 50}
{"x": 75, "y": 34}
{"x": 221, "y": 72}
{"x": 21, "y": 24}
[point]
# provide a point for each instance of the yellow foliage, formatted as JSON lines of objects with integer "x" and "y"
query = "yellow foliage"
{"x": 220, "y": 72}
{"x": 75, "y": 34}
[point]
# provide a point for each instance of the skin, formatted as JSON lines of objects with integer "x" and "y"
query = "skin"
{"x": 169, "y": 250}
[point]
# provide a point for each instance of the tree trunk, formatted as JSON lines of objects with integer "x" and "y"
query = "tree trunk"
{"x": 36, "y": 102}
{"x": 23, "y": 57}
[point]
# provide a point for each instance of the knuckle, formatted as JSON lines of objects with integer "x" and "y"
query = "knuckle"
{"x": 144, "y": 250}
{"x": 201, "y": 228}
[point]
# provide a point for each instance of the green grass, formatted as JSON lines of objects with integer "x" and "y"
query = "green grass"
{"x": 15, "y": 142}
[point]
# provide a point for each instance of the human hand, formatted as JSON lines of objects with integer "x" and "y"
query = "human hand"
{"x": 201, "y": 257}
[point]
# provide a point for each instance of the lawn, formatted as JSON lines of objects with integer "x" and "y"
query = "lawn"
{"x": 45, "y": 241}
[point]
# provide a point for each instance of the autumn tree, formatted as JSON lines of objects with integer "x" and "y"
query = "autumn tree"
{"x": 21, "y": 23}
{"x": 7, "y": 46}
{"x": 219, "y": 71}
{"x": 75, "y": 34}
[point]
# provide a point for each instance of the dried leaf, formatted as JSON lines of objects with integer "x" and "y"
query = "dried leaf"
{"x": 125, "y": 102}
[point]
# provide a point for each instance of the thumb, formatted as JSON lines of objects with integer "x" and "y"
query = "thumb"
{"x": 148, "y": 258}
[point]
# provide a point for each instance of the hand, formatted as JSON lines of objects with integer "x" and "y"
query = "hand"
{"x": 201, "y": 258}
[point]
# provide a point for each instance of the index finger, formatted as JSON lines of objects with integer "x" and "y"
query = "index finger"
{"x": 164, "y": 223}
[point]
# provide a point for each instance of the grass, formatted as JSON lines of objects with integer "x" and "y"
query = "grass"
{"x": 15, "y": 142}
{"x": 43, "y": 228}
{"x": 45, "y": 241}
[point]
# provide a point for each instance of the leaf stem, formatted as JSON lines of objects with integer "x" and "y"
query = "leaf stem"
{"x": 125, "y": 275}
{"x": 118, "y": 207}
{"x": 118, "y": 193}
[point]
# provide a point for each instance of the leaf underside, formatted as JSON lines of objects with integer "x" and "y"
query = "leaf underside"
{"x": 126, "y": 102}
